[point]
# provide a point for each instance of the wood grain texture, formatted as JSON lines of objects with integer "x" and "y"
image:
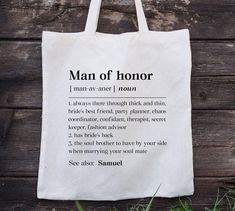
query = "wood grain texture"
{"x": 205, "y": 19}
{"x": 22, "y": 60}
{"x": 207, "y": 93}
{"x": 5, "y": 121}
{"x": 24, "y": 197}
{"x": 213, "y": 139}
{"x": 212, "y": 31}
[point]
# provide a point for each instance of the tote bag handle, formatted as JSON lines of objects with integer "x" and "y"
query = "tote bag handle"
{"x": 93, "y": 16}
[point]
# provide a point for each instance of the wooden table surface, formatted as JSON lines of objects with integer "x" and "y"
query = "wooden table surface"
{"x": 212, "y": 30}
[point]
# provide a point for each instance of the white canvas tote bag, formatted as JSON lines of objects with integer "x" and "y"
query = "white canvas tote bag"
{"x": 116, "y": 119}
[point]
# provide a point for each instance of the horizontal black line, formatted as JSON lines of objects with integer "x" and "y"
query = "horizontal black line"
{"x": 118, "y": 97}
{"x": 39, "y": 39}
{"x": 20, "y": 39}
{"x": 21, "y": 107}
{"x": 212, "y": 76}
{"x": 32, "y": 176}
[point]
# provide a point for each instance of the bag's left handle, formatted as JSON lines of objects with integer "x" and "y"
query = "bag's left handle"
{"x": 93, "y": 16}
{"x": 94, "y": 11}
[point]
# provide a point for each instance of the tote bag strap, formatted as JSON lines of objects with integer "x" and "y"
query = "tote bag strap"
{"x": 93, "y": 16}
